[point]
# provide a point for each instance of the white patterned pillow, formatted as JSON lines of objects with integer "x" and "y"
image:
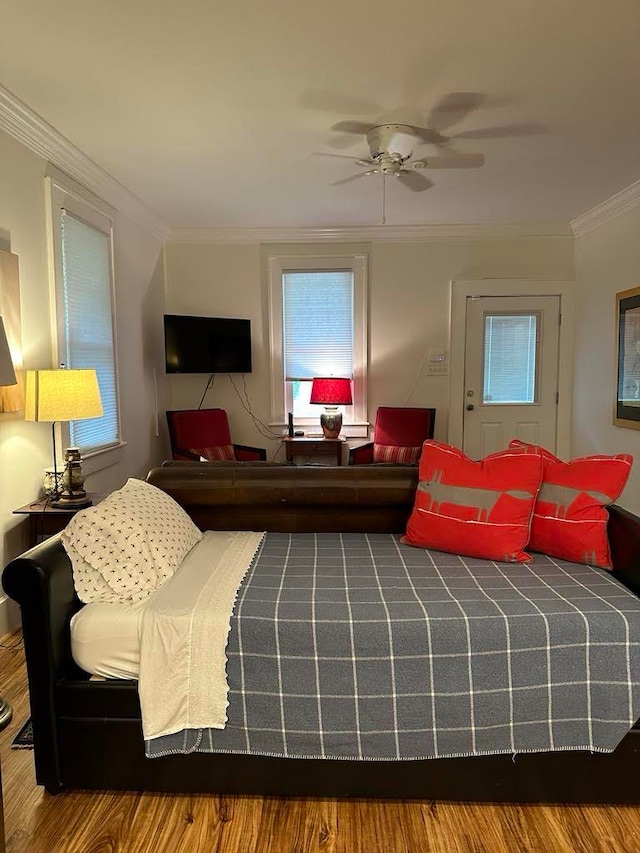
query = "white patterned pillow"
{"x": 125, "y": 547}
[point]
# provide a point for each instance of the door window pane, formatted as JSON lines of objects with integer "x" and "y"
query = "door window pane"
{"x": 510, "y": 358}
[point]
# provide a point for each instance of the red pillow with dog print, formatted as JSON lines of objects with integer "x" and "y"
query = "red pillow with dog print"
{"x": 479, "y": 509}
{"x": 569, "y": 517}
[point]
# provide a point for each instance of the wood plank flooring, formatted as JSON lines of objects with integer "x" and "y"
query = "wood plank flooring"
{"x": 105, "y": 822}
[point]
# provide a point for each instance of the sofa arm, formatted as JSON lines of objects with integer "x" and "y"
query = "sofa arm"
{"x": 362, "y": 455}
{"x": 41, "y": 581}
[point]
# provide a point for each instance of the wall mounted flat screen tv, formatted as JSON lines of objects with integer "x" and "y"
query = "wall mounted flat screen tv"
{"x": 207, "y": 344}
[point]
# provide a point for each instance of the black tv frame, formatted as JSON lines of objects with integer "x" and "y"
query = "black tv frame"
{"x": 209, "y": 345}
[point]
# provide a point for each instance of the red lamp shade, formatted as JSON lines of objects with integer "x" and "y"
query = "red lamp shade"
{"x": 331, "y": 391}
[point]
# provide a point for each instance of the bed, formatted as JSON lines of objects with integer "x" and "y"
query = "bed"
{"x": 88, "y": 733}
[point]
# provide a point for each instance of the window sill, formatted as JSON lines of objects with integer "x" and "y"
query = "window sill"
{"x": 98, "y": 460}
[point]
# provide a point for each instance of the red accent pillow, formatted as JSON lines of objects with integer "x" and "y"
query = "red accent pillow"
{"x": 393, "y": 453}
{"x": 215, "y": 454}
{"x": 480, "y": 509}
{"x": 569, "y": 517}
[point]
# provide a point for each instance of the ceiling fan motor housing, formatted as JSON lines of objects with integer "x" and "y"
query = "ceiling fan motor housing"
{"x": 392, "y": 141}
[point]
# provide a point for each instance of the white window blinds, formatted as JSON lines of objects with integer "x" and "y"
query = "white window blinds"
{"x": 510, "y": 358}
{"x": 317, "y": 323}
{"x": 88, "y": 323}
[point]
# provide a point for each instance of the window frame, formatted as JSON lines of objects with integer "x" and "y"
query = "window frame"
{"x": 355, "y": 418}
{"x": 62, "y": 193}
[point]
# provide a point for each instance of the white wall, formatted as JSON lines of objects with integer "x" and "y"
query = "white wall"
{"x": 25, "y": 448}
{"x": 607, "y": 261}
{"x": 221, "y": 281}
{"x": 409, "y": 297}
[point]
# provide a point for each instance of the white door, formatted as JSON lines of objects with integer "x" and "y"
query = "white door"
{"x": 511, "y": 372}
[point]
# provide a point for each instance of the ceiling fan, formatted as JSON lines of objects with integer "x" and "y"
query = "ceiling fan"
{"x": 431, "y": 129}
{"x": 391, "y": 147}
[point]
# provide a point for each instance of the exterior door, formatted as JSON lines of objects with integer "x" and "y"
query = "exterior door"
{"x": 511, "y": 372}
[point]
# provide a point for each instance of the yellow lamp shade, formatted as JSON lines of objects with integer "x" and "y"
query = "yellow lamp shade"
{"x": 62, "y": 395}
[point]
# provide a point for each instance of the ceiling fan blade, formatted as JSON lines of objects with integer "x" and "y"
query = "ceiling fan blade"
{"x": 452, "y": 108}
{"x": 332, "y": 102}
{"x": 456, "y": 161}
{"x": 361, "y": 161}
{"x": 507, "y": 130}
{"x": 330, "y": 154}
{"x": 349, "y": 179}
{"x": 430, "y": 136}
{"x": 343, "y": 141}
{"x": 360, "y": 127}
{"x": 416, "y": 182}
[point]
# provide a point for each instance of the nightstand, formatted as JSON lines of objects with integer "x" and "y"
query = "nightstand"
{"x": 307, "y": 445}
{"x": 45, "y": 520}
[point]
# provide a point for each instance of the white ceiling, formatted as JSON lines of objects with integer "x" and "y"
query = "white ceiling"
{"x": 210, "y": 112}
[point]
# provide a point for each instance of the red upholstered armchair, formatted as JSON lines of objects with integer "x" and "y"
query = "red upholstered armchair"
{"x": 204, "y": 433}
{"x": 397, "y": 436}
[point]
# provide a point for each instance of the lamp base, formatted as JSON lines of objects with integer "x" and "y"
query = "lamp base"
{"x": 331, "y": 422}
{"x": 73, "y": 495}
{"x": 72, "y": 501}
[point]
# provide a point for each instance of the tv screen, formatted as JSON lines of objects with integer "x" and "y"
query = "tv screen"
{"x": 207, "y": 344}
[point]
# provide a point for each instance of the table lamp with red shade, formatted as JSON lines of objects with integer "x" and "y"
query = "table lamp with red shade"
{"x": 331, "y": 392}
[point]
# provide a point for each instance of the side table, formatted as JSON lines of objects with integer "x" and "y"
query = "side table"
{"x": 45, "y": 520}
{"x": 307, "y": 445}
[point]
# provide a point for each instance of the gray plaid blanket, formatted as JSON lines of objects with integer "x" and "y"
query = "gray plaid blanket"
{"x": 355, "y": 646}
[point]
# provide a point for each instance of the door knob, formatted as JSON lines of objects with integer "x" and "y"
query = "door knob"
{"x": 470, "y": 407}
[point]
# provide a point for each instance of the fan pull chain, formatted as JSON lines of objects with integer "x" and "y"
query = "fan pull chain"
{"x": 384, "y": 188}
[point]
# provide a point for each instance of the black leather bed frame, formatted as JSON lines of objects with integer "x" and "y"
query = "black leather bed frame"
{"x": 88, "y": 733}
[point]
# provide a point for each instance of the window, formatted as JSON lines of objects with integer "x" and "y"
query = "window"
{"x": 510, "y": 358}
{"x": 82, "y": 253}
{"x": 318, "y": 328}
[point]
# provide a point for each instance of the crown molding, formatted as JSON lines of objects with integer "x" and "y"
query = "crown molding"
{"x": 28, "y": 128}
{"x": 373, "y": 233}
{"x": 625, "y": 201}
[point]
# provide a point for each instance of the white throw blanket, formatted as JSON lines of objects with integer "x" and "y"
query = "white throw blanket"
{"x": 183, "y": 637}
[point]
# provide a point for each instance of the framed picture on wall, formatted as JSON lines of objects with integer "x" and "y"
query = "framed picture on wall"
{"x": 627, "y": 403}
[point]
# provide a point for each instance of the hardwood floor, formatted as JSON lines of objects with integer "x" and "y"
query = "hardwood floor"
{"x": 160, "y": 823}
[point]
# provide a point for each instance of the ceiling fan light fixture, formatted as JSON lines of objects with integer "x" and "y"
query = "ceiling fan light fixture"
{"x": 419, "y": 164}
{"x": 389, "y": 163}
{"x": 396, "y": 138}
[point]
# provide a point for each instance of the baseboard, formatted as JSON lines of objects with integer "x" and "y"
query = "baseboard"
{"x": 9, "y": 616}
